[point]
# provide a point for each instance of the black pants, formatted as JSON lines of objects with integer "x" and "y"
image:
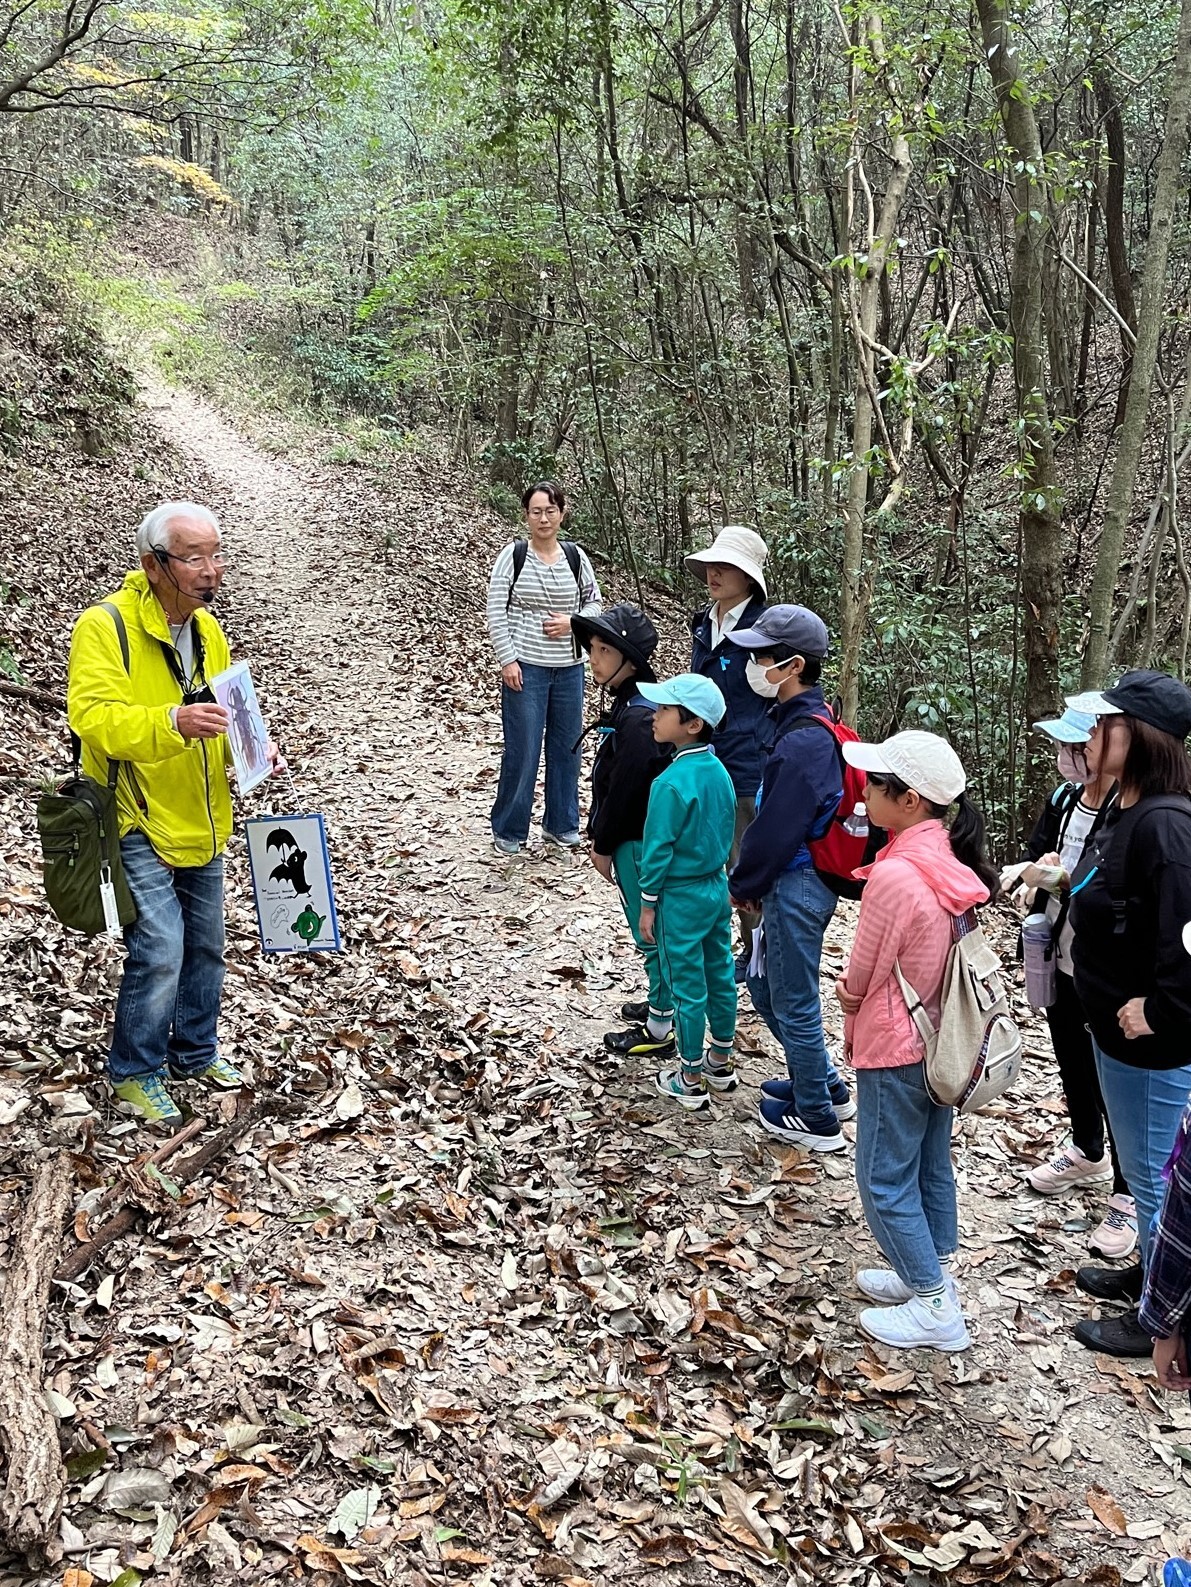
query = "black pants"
{"x": 1077, "y": 1069}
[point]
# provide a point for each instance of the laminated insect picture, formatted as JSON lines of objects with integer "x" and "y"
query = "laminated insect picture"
{"x": 246, "y": 730}
{"x": 291, "y": 881}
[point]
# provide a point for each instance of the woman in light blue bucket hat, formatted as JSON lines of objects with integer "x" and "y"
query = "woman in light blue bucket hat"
{"x": 1072, "y": 813}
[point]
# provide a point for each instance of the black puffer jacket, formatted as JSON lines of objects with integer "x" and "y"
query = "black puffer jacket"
{"x": 626, "y": 763}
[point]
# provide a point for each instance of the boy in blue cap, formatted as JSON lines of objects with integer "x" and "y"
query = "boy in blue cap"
{"x": 684, "y": 889}
{"x": 799, "y": 796}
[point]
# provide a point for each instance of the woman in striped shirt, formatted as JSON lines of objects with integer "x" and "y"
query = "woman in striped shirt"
{"x": 537, "y": 586}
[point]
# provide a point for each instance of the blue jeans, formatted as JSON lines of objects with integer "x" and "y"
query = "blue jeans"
{"x": 168, "y": 1006}
{"x": 549, "y": 705}
{"x": 1144, "y": 1107}
{"x": 903, "y": 1172}
{"x": 796, "y": 912}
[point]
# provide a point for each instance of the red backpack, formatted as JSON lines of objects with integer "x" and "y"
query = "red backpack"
{"x": 837, "y": 852}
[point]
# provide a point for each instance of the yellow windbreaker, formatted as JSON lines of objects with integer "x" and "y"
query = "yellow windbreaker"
{"x": 175, "y": 792}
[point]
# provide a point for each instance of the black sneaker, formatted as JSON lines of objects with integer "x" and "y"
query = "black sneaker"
{"x": 635, "y": 1013}
{"x": 636, "y": 1042}
{"x": 740, "y": 966}
{"x": 1115, "y": 1336}
{"x": 1111, "y": 1283}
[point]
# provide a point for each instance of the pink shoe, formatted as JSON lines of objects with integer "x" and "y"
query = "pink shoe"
{"x": 1066, "y": 1170}
{"x": 1117, "y": 1235}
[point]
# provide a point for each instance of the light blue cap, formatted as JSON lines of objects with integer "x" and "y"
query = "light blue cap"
{"x": 691, "y": 689}
{"x": 1073, "y": 727}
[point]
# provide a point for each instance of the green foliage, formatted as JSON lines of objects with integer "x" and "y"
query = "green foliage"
{"x": 58, "y": 380}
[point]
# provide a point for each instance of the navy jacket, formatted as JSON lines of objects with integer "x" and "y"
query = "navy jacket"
{"x": 800, "y": 793}
{"x": 743, "y": 735}
{"x": 626, "y": 763}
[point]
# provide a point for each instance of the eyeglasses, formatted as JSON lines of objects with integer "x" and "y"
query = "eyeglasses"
{"x": 219, "y": 561}
{"x": 544, "y": 512}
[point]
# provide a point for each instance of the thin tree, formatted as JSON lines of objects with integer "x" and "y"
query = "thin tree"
{"x": 1167, "y": 191}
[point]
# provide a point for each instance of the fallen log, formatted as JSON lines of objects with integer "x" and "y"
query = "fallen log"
{"x": 35, "y": 1482}
{"x": 22, "y": 691}
{"x": 189, "y": 1169}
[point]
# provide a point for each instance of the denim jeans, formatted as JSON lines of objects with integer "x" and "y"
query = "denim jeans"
{"x": 549, "y": 706}
{"x": 795, "y": 912}
{"x": 168, "y": 1007}
{"x": 1144, "y": 1107}
{"x": 903, "y": 1172}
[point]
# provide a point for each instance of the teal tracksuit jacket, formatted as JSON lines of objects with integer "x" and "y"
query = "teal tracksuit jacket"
{"x": 688, "y": 837}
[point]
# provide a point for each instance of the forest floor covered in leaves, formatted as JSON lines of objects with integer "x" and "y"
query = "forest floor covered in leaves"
{"x": 469, "y": 1303}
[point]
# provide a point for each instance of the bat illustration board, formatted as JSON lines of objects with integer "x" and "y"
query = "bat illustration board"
{"x": 291, "y": 882}
{"x": 247, "y": 733}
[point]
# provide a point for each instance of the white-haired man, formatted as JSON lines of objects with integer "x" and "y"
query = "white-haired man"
{"x": 139, "y": 699}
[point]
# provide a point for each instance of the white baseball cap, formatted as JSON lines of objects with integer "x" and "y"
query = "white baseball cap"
{"x": 923, "y": 761}
{"x": 738, "y": 546}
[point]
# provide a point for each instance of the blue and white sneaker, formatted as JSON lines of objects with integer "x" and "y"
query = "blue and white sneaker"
{"x": 780, "y": 1119}
{"x": 782, "y": 1091}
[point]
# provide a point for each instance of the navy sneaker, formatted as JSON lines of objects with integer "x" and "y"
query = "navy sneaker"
{"x": 782, "y": 1091}
{"x": 740, "y": 966}
{"x": 780, "y": 1119}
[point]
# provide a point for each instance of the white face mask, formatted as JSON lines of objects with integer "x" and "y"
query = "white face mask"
{"x": 1073, "y": 764}
{"x": 759, "y": 682}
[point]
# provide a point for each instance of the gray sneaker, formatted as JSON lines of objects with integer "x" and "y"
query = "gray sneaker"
{"x": 507, "y": 846}
{"x": 561, "y": 840}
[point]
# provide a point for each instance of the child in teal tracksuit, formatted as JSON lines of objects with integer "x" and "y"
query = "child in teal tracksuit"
{"x": 688, "y": 835}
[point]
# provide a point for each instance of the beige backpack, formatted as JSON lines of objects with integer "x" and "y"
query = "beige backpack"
{"x": 975, "y": 1054}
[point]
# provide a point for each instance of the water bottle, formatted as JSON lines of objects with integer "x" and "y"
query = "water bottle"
{"x": 1177, "y": 1573}
{"x": 856, "y": 826}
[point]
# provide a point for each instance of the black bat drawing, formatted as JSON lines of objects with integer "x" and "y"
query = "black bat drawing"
{"x": 293, "y": 864}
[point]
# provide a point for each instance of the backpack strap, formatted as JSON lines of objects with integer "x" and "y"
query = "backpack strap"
{"x": 76, "y": 743}
{"x": 1116, "y": 866}
{"x": 570, "y": 550}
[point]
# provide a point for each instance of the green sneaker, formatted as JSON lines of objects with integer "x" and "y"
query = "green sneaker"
{"x": 218, "y": 1073}
{"x": 150, "y": 1099}
{"x": 689, "y": 1094}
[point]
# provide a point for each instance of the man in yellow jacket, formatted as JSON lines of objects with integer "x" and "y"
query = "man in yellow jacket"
{"x": 139, "y": 694}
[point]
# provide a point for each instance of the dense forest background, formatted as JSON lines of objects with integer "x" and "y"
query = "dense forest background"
{"x": 904, "y": 286}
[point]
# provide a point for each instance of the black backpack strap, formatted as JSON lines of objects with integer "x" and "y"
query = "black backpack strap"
{"x": 821, "y": 721}
{"x": 571, "y": 551}
{"x": 520, "y": 552}
{"x": 76, "y": 745}
{"x": 1116, "y": 865}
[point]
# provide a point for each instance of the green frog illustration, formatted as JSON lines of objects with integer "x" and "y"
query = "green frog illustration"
{"x": 308, "y": 925}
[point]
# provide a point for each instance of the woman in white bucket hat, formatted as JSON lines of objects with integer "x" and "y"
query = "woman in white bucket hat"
{"x": 733, "y": 569}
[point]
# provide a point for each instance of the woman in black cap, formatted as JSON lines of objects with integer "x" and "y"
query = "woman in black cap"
{"x": 1130, "y": 904}
{"x": 619, "y": 643}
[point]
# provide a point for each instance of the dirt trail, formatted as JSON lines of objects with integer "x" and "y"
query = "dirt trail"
{"x": 562, "y": 1331}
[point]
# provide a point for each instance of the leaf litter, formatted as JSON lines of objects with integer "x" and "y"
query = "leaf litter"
{"x": 475, "y": 1307}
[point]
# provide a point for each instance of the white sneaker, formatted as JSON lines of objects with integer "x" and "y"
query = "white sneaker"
{"x": 1117, "y": 1235}
{"x": 1067, "y": 1169}
{"x": 883, "y": 1285}
{"x": 917, "y": 1325}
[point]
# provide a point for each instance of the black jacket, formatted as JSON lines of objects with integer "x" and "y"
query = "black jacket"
{"x": 1148, "y": 959}
{"x": 743, "y": 736}
{"x": 626, "y": 763}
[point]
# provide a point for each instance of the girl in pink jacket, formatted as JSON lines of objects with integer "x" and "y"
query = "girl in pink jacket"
{"x": 928, "y": 873}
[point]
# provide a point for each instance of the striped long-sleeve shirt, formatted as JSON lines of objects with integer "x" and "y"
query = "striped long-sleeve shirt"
{"x": 541, "y": 588}
{"x": 1166, "y": 1298}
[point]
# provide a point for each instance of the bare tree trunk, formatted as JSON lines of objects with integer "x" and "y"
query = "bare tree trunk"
{"x": 865, "y": 302}
{"x": 1131, "y": 436}
{"x": 32, "y": 1500}
{"x": 1041, "y": 540}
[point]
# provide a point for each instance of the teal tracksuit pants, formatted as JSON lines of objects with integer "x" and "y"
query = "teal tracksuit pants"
{"x": 694, "y": 936}
{"x": 626, "y": 862}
